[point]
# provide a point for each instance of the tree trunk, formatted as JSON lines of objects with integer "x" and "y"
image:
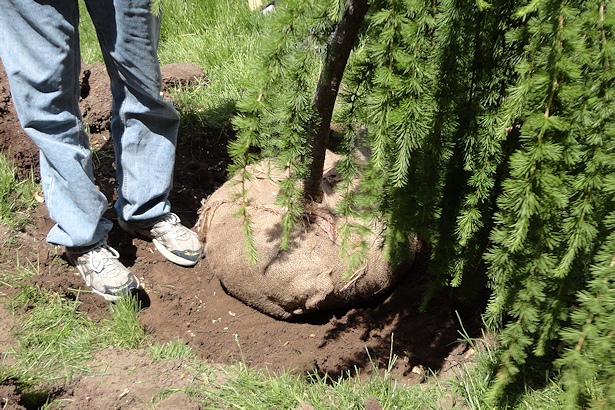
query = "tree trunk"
{"x": 338, "y": 50}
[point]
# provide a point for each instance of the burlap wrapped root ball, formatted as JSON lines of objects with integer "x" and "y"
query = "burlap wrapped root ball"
{"x": 305, "y": 278}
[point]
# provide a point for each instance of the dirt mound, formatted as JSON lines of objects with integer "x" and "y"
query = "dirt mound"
{"x": 122, "y": 380}
{"x": 189, "y": 303}
{"x": 118, "y": 380}
{"x": 10, "y": 397}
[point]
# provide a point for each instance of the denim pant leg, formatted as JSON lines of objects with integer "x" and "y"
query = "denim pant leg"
{"x": 143, "y": 126}
{"x": 39, "y": 47}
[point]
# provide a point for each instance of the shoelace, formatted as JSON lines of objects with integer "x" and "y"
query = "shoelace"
{"x": 174, "y": 225}
{"x": 98, "y": 257}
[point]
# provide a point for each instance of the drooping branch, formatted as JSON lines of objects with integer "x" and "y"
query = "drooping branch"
{"x": 338, "y": 50}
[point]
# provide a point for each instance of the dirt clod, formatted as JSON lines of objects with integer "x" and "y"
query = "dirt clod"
{"x": 372, "y": 403}
{"x": 10, "y": 397}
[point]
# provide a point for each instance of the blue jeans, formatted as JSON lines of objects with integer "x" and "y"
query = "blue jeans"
{"x": 39, "y": 47}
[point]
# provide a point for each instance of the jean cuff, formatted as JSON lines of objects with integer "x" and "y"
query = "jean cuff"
{"x": 147, "y": 223}
{"x": 79, "y": 250}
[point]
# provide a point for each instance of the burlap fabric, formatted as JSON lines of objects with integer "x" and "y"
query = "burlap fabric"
{"x": 305, "y": 278}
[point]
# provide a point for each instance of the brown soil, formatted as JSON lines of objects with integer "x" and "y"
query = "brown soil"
{"x": 190, "y": 304}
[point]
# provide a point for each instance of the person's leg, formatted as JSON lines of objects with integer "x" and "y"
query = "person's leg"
{"x": 39, "y": 47}
{"x": 143, "y": 125}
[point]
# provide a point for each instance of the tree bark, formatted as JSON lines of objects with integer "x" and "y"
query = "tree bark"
{"x": 338, "y": 50}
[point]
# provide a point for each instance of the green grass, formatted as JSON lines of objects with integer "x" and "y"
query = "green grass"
{"x": 220, "y": 37}
{"x": 239, "y": 387}
{"x": 16, "y": 197}
{"x": 55, "y": 338}
{"x": 244, "y": 388}
{"x": 473, "y": 383}
{"x": 538, "y": 391}
{"x": 173, "y": 350}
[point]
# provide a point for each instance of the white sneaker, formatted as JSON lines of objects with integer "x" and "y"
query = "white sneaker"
{"x": 104, "y": 273}
{"x": 173, "y": 240}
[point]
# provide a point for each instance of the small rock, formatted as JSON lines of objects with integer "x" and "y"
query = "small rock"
{"x": 372, "y": 403}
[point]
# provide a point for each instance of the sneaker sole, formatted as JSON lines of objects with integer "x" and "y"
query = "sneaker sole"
{"x": 171, "y": 256}
{"x": 143, "y": 234}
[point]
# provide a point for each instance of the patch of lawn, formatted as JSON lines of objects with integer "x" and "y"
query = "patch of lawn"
{"x": 55, "y": 339}
{"x": 220, "y": 37}
{"x": 172, "y": 350}
{"x": 16, "y": 197}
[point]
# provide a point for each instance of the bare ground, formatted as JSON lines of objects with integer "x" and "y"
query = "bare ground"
{"x": 190, "y": 304}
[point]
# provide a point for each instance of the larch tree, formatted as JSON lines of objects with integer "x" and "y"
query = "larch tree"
{"x": 490, "y": 127}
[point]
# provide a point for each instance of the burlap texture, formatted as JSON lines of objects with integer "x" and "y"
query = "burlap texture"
{"x": 305, "y": 278}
